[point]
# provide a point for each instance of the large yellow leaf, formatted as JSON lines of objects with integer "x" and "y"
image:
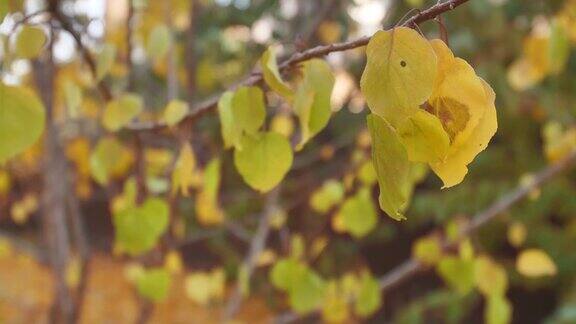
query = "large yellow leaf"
{"x": 21, "y": 120}
{"x": 313, "y": 109}
{"x": 535, "y": 263}
{"x": 264, "y": 160}
{"x": 392, "y": 167}
{"x": 119, "y": 112}
{"x": 399, "y": 73}
{"x": 272, "y": 75}
{"x": 454, "y": 167}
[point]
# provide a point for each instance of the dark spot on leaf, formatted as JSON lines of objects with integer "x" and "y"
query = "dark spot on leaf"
{"x": 402, "y": 63}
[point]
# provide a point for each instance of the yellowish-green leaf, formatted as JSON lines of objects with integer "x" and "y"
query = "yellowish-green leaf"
{"x": 399, "y": 73}
{"x": 307, "y": 293}
{"x": 427, "y": 250}
{"x": 558, "y": 48}
{"x": 208, "y": 211}
{"x": 286, "y": 272}
{"x": 490, "y": 277}
{"x": 272, "y": 75}
{"x": 335, "y": 306}
{"x": 30, "y": 41}
{"x": 535, "y": 263}
{"x": 205, "y": 287}
{"x": 327, "y": 196}
{"x": 369, "y": 298}
{"x": 241, "y": 112}
{"x": 175, "y": 111}
{"x": 72, "y": 97}
{"x": 264, "y": 160}
{"x": 185, "y": 174}
{"x": 358, "y": 214}
{"x": 159, "y": 41}
{"x": 105, "y": 60}
{"x": 21, "y": 120}
{"x": 498, "y": 310}
{"x": 154, "y": 284}
{"x": 517, "y": 233}
{"x": 138, "y": 228}
{"x": 424, "y": 138}
{"x": 109, "y": 159}
{"x": 312, "y": 101}
{"x": 119, "y": 112}
{"x": 457, "y": 273}
{"x": 392, "y": 167}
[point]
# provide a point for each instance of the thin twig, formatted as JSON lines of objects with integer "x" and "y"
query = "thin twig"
{"x": 411, "y": 267}
{"x": 257, "y": 245}
{"x": 297, "y": 58}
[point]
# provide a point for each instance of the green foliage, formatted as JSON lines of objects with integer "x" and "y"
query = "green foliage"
{"x": 19, "y": 106}
{"x": 263, "y": 160}
{"x": 138, "y": 228}
{"x": 358, "y": 214}
{"x": 154, "y": 284}
{"x": 369, "y": 298}
{"x": 30, "y": 41}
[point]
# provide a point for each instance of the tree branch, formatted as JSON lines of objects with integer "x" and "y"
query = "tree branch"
{"x": 411, "y": 267}
{"x": 297, "y": 58}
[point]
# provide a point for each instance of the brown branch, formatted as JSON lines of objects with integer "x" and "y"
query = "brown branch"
{"x": 297, "y": 58}
{"x": 411, "y": 267}
{"x": 257, "y": 245}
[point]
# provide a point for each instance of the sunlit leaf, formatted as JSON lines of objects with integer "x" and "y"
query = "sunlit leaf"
{"x": 424, "y": 138}
{"x": 109, "y": 159}
{"x": 358, "y": 214}
{"x": 21, "y": 120}
{"x": 490, "y": 278}
{"x": 498, "y": 310}
{"x": 175, "y": 111}
{"x": 207, "y": 206}
{"x": 535, "y": 263}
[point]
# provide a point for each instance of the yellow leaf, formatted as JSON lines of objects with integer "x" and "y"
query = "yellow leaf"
{"x": 535, "y": 263}
{"x": 399, "y": 74}
{"x": 424, "y": 138}
{"x": 119, "y": 112}
{"x": 175, "y": 111}
{"x": 185, "y": 174}
{"x": 272, "y": 75}
{"x": 173, "y": 262}
{"x": 517, "y": 234}
{"x": 427, "y": 250}
{"x": 490, "y": 277}
{"x": 464, "y": 103}
{"x": 30, "y": 41}
{"x": 21, "y": 122}
{"x": 208, "y": 211}
{"x": 282, "y": 124}
{"x": 109, "y": 159}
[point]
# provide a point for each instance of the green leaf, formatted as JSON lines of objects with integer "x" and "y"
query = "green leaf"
{"x": 286, "y": 272}
{"x": 263, "y": 160}
{"x": 498, "y": 310}
{"x": 241, "y": 112}
{"x": 427, "y": 250}
{"x": 105, "y": 157}
{"x": 312, "y": 101}
{"x": 369, "y": 298}
{"x": 358, "y": 214}
{"x": 327, "y": 196}
{"x": 138, "y": 228}
{"x": 307, "y": 293}
{"x": 21, "y": 120}
{"x": 175, "y": 111}
{"x": 392, "y": 167}
{"x": 490, "y": 278}
{"x": 212, "y": 178}
{"x": 30, "y": 41}
{"x": 159, "y": 41}
{"x": 119, "y": 112}
{"x": 457, "y": 273}
{"x": 272, "y": 75}
{"x": 105, "y": 61}
{"x": 558, "y": 48}
{"x": 154, "y": 284}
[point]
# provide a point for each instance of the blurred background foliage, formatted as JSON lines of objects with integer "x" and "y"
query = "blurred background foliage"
{"x": 206, "y": 46}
